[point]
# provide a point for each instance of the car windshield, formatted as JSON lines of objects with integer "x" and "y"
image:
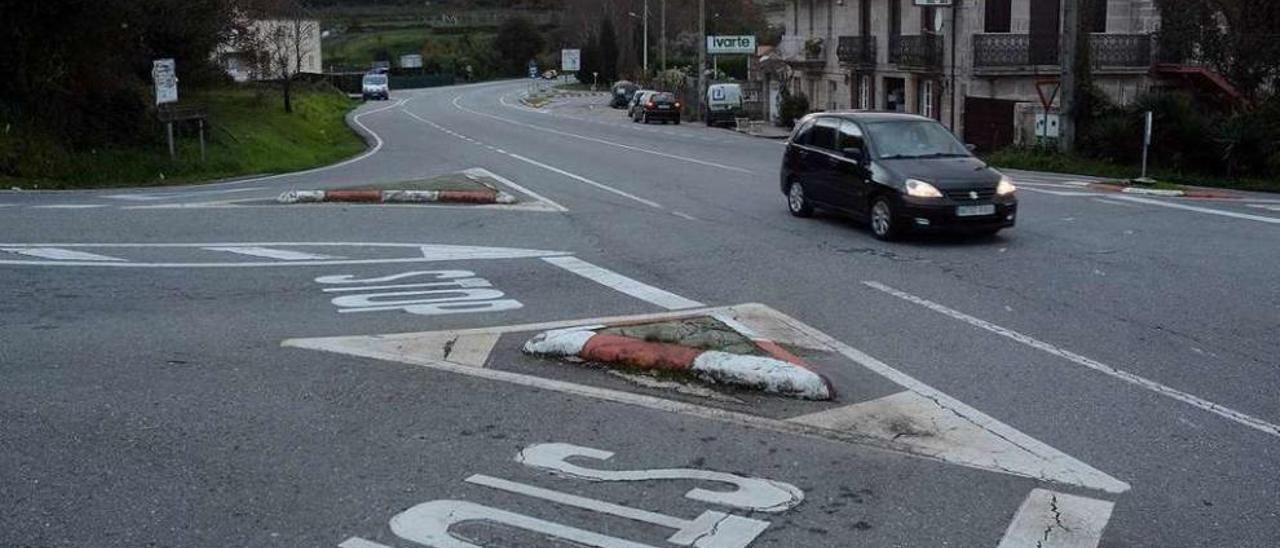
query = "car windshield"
{"x": 375, "y": 80}
{"x": 664, "y": 98}
{"x": 914, "y": 139}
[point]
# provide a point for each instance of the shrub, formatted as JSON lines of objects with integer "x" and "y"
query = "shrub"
{"x": 792, "y": 107}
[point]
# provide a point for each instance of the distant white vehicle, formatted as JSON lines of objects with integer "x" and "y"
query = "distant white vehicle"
{"x": 724, "y": 103}
{"x": 375, "y": 86}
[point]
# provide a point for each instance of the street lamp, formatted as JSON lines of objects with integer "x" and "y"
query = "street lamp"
{"x": 646, "y": 33}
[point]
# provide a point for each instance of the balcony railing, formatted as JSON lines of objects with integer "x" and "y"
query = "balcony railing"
{"x": 921, "y": 51}
{"x": 857, "y": 50}
{"x": 1021, "y": 50}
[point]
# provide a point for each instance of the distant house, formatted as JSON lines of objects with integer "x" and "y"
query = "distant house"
{"x": 975, "y": 67}
{"x": 273, "y": 48}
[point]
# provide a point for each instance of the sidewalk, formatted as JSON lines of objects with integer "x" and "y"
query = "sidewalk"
{"x": 764, "y": 130}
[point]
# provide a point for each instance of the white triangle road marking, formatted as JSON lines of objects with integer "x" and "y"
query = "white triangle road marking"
{"x": 59, "y": 254}
{"x": 282, "y": 254}
{"x": 965, "y": 436}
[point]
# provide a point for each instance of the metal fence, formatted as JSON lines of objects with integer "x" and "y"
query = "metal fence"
{"x": 1018, "y": 50}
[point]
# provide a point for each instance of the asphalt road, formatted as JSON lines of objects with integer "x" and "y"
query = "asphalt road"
{"x": 168, "y": 389}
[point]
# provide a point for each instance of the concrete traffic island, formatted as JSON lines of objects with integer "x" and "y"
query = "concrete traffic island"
{"x": 700, "y": 347}
{"x": 459, "y": 188}
{"x": 1166, "y": 191}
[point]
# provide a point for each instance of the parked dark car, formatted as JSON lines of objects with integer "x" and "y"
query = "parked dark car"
{"x": 661, "y": 106}
{"x": 898, "y": 172}
{"x": 637, "y": 98}
{"x": 623, "y": 91}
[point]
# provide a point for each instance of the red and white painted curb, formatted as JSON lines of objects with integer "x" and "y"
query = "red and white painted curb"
{"x": 1168, "y": 193}
{"x": 766, "y": 374}
{"x": 397, "y": 196}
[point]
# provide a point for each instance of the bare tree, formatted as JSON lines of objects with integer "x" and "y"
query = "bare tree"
{"x": 282, "y": 40}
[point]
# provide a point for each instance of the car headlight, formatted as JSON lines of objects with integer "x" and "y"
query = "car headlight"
{"x": 1005, "y": 187}
{"x": 921, "y": 189}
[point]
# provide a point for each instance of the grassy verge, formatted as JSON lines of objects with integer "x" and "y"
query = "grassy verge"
{"x": 576, "y": 86}
{"x": 1033, "y": 160}
{"x": 248, "y": 132}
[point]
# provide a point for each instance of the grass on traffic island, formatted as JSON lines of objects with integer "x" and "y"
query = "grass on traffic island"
{"x": 697, "y": 348}
{"x": 465, "y": 187}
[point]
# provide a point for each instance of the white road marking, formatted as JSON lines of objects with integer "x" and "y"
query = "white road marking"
{"x": 582, "y": 179}
{"x": 166, "y": 196}
{"x": 756, "y": 494}
{"x": 1113, "y": 202}
{"x": 357, "y": 542}
{"x": 708, "y": 529}
{"x": 600, "y": 141}
{"x": 1198, "y": 209}
{"x": 683, "y": 215}
{"x": 69, "y": 206}
{"x": 613, "y": 280}
{"x": 1136, "y": 380}
{"x": 428, "y": 524}
{"x": 486, "y": 173}
{"x": 1266, "y": 207}
{"x": 1057, "y": 520}
{"x": 59, "y": 254}
{"x": 421, "y": 254}
{"x": 554, "y": 169}
{"x": 1058, "y": 192}
{"x": 282, "y": 254}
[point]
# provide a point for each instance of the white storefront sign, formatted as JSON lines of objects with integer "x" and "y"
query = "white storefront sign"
{"x": 725, "y": 45}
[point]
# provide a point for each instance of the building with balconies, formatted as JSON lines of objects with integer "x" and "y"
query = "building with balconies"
{"x": 979, "y": 66}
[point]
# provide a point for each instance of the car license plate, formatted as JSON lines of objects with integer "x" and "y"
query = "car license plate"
{"x": 663, "y": 107}
{"x": 975, "y": 210}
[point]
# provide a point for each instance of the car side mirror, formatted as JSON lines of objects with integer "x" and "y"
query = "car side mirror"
{"x": 854, "y": 154}
{"x": 970, "y": 147}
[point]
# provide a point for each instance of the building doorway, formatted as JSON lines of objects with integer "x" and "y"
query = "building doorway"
{"x": 895, "y": 94}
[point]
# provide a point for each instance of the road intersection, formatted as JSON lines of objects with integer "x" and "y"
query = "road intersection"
{"x": 201, "y": 365}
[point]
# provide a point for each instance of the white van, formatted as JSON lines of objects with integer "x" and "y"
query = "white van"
{"x": 724, "y": 103}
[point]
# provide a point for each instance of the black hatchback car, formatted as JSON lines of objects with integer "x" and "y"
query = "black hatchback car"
{"x": 897, "y": 171}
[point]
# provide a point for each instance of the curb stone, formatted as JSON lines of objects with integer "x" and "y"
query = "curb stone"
{"x": 755, "y": 372}
{"x": 397, "y": 196}
{"x": 1192, "y": 193}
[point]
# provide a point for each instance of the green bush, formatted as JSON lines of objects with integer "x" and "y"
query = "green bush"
{"x": 1189, "y": 136}
{"x": 792, "y": 107}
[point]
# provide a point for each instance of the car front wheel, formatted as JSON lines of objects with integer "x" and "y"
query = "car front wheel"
{"x": 797, "y": 201}
{"x": 883, "y": 225}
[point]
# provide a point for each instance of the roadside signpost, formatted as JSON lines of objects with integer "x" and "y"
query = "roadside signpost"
{"x": 1146, "y": 146}
{"x": 570, "y": 61}
{"x": 729, "y": 45}
{"x": 165, "y": 76}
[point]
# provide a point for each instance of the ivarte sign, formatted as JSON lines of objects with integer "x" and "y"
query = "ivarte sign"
{"x": 722, "y": 45}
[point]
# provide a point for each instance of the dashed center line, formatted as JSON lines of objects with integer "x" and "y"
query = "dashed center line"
{"x": 1136, "y": 380}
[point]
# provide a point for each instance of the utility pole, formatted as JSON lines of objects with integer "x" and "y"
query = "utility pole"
{"x": 702, "y": 54}
{"x": 663, "y": 31}
{"x": 1067, "y": 59}
{"x": 646, "y": 38}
